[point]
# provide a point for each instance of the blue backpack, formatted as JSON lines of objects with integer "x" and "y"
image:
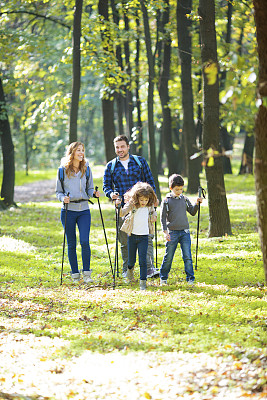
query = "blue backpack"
{"x": 61, "y": 173}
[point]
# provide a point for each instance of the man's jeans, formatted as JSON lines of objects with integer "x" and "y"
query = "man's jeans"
{"x": 83, "y": 220}
{"x": 140, "y": 243}
{"x": 184, "y": 239}
{"x": 123, "y": 239}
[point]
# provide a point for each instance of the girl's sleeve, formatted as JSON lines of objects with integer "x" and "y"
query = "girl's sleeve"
{"x": 125, "y": 209}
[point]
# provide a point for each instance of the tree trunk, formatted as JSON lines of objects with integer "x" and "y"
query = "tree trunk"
{"x": 108, "y": 126}
{"x": 139, "y": 127}
{"x": 8, "y": 183}
{"x": 76, "y": 71}
{"x": 219, "y": 219}
{"x": 184, "y": 7}
{"x": 150, "y": 99}
{"x": 166, "y": 134}
{"x": 118, "y": 96}
{"x": 128, "y": 97}
{"x": 260, "y": 128}
{"x": 107, "y": 103}
{"x": 246, "y": 166}
{"x": 226, "y": 138}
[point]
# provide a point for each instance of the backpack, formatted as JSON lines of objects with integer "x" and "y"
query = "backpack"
{"x": 61, "y": 173}
{"x": 136, "y": 159}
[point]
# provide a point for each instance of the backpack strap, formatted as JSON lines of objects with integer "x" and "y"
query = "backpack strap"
{"x": 138, "y": 162}
{"x": 61, "y": 177}
{"x": 87, "y": 180}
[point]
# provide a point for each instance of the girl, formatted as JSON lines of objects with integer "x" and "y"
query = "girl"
{"x": 140, "y": 200}
{"x": 74, "y": 190}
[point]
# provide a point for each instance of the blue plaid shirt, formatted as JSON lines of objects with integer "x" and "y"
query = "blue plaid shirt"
{"x": 123, "y": 180}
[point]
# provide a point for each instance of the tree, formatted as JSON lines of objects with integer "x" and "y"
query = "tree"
{"x": 219, "y": 219}
{"x": 163, "y": 88}
{"x": 7, "y": 189}
{"x": 150, "y": 97}
{"x": 107, "y": 99}
{"x": 260, "y": 128}
{"x": 184, "y": 8}
{"x": 76, "y": 71}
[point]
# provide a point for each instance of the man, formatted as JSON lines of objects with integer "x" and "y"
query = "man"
{"x": 119, "y": 176}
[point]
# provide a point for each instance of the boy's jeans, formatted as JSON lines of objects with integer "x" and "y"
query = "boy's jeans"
{"x": 140, "y": 243}
{"x": 184, "y": 239}
{"x": 83, "y": 220}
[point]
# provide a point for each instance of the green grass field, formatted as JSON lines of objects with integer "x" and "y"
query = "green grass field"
{"x": 225, "y": 311}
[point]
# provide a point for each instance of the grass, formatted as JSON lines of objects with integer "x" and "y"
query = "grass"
{"x": 224, "y": 312}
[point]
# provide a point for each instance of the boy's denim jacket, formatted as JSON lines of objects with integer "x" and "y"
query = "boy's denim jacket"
{"x": 129, "y": 211}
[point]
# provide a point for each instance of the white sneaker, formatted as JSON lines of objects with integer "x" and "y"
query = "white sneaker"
{"x": 124, "y": 274}
{"x": 163, "y": 282}
{"x": 76, "y": 277}
{"x": 191, "y": 283}
{"x": 87, "y": 276}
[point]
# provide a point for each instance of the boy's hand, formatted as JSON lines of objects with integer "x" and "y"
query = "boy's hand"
{"x": 199, "y": 200}
{"x": 167, "y": 236}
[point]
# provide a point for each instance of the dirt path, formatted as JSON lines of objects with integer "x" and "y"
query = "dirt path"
{"x": 36, "y": 191}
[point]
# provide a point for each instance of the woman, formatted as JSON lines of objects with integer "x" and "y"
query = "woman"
{"x": 75, "y": 189}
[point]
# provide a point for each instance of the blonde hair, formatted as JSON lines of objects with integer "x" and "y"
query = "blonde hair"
{"x": 68, "y": 159}
{"x": 140, "y": 189}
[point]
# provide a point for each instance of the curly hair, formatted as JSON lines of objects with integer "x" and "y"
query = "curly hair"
{"x": 140, "y": 189}
{"x": 68, "y": 159}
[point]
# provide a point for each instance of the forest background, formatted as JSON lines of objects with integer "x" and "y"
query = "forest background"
{"x": 184, "y": 80}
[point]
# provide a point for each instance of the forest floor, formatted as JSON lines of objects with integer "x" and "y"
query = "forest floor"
{"x": 32, "y": 367}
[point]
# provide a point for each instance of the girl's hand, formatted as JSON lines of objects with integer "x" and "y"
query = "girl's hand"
{"x": 66, "y": 199}
{"x": 167, "y": 236}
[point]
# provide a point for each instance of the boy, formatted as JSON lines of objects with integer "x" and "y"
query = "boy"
{"x": 175, "y": 227}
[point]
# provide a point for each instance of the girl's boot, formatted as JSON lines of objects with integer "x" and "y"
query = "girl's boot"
{"x": 142, "y": 285}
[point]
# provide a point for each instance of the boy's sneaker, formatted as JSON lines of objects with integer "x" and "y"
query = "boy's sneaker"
{"x": 163, "y": 282}
{"x": 87, "y": 276}
{"x": 130, "y": 274}
{"x": 76, "y": 277}
{"x": 142, "y": 285}
{"x": 191, "y": 283}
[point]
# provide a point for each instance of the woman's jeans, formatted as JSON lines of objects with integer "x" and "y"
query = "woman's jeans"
{"x": 184, "y": 239}
{"x": 83, "y": 220}
{"x": 140, "y": 243}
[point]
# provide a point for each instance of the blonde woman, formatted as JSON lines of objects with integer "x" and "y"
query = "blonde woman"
{"x": 75, "y": 189}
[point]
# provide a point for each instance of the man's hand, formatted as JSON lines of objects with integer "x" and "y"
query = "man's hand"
{"x": 114, "y": 195}
{"x": 118, "y": 202}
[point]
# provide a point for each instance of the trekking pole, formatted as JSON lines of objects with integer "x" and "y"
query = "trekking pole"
{"x": 110, "y": 262}
{"x": 116, "y": 262}
{"x": 64, "y": 240}
{"x": 201, "y": 192}
{"x": 156, "y": 241}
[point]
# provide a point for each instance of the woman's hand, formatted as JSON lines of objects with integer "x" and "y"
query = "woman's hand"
{"x": 66, "y": 199}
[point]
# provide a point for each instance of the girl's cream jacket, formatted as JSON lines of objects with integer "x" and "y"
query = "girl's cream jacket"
{"x": 127, "y": 225}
